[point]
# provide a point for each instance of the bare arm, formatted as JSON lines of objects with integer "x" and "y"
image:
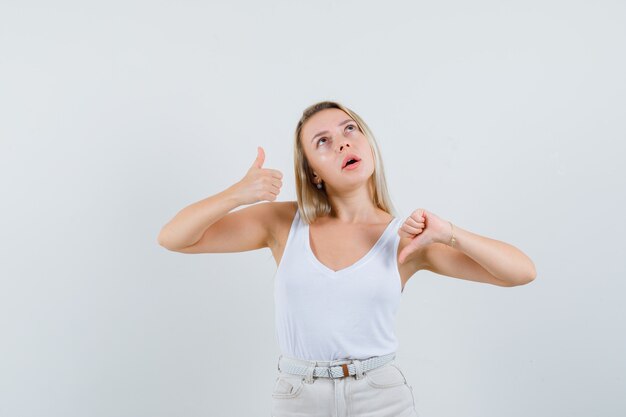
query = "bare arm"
{"x": 206, "y": 226}
{"x": 190, "y": 223}
{"x": 474, "y": 257}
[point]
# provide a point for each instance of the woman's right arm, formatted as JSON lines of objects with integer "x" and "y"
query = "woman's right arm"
{"x": 207, "y": 226}
{"x": 190, "y": 223}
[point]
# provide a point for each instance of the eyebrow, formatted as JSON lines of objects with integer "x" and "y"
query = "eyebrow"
{"x": 326, "y": 131}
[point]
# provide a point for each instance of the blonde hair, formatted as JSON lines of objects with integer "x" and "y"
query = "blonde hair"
{"x": 313, "y": 202}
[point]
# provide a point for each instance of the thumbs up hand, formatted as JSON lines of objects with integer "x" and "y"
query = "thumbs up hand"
{"x": 259, "y": 183}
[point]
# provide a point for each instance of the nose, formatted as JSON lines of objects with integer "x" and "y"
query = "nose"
{"x": 343, "y": 143}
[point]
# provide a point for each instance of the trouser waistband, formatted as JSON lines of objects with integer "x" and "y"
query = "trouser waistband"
{"x": 339, "y": 368}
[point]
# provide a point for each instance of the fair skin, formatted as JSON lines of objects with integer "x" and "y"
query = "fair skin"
{"x": 268, "y": 224}
{"x": 347, "y": 190}
{"x": 353, "y": 211}
{"x": 209, "y": 226}
{"x": 425, "y": 236}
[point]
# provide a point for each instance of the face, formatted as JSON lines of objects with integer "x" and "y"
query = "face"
{"x": 327, "y": 138}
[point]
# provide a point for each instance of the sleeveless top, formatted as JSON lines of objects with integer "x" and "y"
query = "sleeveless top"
{"x": 325, "y": 315}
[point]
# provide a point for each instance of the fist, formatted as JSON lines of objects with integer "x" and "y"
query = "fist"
{"x": 423, "y": 228}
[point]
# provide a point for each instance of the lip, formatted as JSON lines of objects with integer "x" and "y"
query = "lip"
{"x": 349, "y": 157}
{"x": 352, "y": 166}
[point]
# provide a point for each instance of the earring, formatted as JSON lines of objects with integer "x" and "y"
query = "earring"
{"x": 319, "y": 185}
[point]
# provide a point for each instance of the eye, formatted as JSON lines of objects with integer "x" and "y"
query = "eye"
{"x": 320, "y": 139}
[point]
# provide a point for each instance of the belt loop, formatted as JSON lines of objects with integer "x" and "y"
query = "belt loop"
{"x": 308, "y": 376}
{"x": 358, "y": 368}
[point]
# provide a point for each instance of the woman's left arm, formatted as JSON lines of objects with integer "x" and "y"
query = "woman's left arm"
{"x": 472, "y": 255}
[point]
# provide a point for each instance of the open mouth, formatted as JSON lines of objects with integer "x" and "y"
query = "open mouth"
{"x": 350, "y": 159}
{"x": 352, "y": 163}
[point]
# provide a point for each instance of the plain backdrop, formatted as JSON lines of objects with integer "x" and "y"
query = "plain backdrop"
{"x": 506, "y": 118}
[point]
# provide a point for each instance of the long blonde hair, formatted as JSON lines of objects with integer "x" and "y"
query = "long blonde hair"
{"x": 313, "y": 202}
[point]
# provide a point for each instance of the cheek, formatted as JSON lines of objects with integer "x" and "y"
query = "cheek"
{"x": 326, "y": 162}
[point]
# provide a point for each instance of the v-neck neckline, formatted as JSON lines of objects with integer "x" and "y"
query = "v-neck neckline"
{"x": 360, "y": 261}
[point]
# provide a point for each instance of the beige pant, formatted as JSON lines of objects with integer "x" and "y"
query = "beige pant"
{"x": 380, "y": 392}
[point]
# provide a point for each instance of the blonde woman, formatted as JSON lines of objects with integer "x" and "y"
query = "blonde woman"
{"x": 343, "y": 260}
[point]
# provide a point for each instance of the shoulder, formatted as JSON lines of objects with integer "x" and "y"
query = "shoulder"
{"x": 286, "y": 210}
{"x": 281, "y": 216}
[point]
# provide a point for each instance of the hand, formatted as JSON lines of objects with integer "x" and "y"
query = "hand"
{"x": 424, "y": 228}
{"x": 259, "y": 183}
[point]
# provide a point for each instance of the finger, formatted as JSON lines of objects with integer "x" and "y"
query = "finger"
{"x": 271, "y": 196}
{"x": 272, "y": 181}
{"x": 413, "y": 230}
{"x": 418, "y": 215}
{"x": 275, "y": 173}
{"x": 412, "y": 222}
{"x": 403, "y": 233}
{"x": 401, "y": 257}
{"x": 260, "y": 158}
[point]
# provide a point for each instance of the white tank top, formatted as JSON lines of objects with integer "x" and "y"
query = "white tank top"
{"x": 325, "y": 315}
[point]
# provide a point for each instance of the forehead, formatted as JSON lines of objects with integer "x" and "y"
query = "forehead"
{"x": 326, "y": 119}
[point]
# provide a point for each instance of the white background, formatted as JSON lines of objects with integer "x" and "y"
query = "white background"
{"x": 506, "y": 118}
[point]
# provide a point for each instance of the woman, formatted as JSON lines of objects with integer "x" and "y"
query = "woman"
{"x": 343, "y": 261}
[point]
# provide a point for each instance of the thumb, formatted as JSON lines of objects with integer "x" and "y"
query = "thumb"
{"x": 403, "y": 255}
{"x": 415, "y": 244}
{"x": 260, "y": 158}
{"x": 406, "y": 252}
